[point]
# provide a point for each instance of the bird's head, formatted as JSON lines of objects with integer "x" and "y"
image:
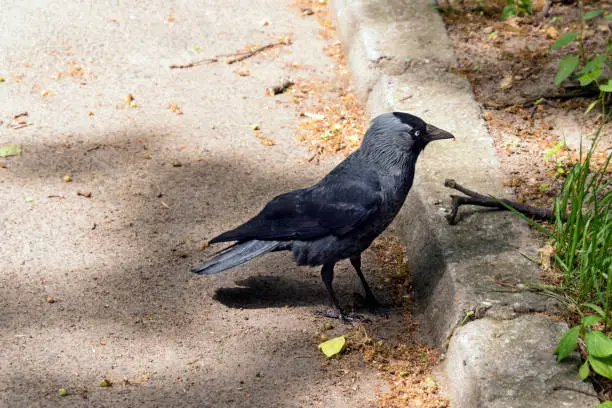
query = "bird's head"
{"x": 402, "y": 132}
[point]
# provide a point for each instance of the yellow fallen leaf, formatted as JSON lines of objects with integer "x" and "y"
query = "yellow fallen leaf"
{"x": 314, "y": 116}
{"x": 429, "y": 384}
{"x": 552, "y": 33}
{"x": 10, "y": 150}
{"x": 266, "y": 141}
{"x": 130, "y": 100}
{"x": 333, "y": 346}
{"x": 506, "y": 82}
{"x": 353, "y": 140}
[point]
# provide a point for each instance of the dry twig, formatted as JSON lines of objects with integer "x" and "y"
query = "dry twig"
{"x": 475, "y": 198}
{"x": 257, "y": 50}
{"x": 279, "y": 89}
{"x": 195, "y": 63}
{"x": 238, "y": 55}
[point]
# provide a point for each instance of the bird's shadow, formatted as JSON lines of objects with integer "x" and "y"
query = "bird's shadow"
{"x": 257, "y": 292}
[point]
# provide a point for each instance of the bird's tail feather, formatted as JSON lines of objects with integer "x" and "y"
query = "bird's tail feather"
{"x": 236, "y": 255}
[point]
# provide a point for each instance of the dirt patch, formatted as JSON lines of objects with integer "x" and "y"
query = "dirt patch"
{"x": 537, "y": 127}
{"x": 332, "y": 119}
{"x": 390, "y": 346}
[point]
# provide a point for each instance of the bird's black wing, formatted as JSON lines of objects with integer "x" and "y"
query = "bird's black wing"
{"x": 335, "y": 206}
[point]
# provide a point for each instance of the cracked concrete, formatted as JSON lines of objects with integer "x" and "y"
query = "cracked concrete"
{"x": 399, "y": 54}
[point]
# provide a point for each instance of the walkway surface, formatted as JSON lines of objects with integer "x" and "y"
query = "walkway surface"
{"x": 99, "y": 287}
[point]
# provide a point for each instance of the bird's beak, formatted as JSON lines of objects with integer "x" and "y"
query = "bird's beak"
{"x": 434, "y": 133}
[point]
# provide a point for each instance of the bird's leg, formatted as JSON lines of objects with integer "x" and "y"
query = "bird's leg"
{"x": 370, "y": 300}
{"x": 356, "y": 262}
{"x": 327, "y": 275}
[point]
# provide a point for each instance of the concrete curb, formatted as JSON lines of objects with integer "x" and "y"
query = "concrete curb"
{"x": 399, "y": 54}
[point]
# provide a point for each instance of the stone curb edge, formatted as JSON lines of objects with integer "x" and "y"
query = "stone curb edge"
{"x": 399, "y": 53}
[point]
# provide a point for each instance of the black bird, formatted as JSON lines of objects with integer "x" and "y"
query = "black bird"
{"x": 339, "y": 217}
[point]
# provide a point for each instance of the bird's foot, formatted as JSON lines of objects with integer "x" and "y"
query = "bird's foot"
{"x": 345, "y": 317}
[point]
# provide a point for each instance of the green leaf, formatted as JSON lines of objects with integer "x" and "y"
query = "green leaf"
{"x": 509, "y": 10}
{"x": 588, "y": 321}
{"x": 10, "y": 150}
{"x": 525, "y": 6}
{"x": 592, "y": 14}
{"x": 602, "y": 366}
{"x": 333, "y": 346}
{"x": 567, "y": 344}
{"x": 606, "y": 404}
{"x": 606, "y": 87}
{"x": 591, "y": 106}
{"x": 595, "y": 308}
{"x": 608, "y": 17}
{"x": 588, "y": 78}
{"x": 553, "y": 151}
{"x": 564, "y": 40}
{"x": 591, "y": 71}
{"x": 598, "y": 344}
{"x": 567, "y": 65}
{"x": 584, "y": 371}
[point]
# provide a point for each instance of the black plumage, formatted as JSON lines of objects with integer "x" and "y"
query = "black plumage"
{"x": 339, "y": 217}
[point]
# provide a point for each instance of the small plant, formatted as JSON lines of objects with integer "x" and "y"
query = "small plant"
{"x": 582, "y": 231}
{"x": 516, "y": 8}
{"x": 598, "y": 345}
{"x": 560, "y": 163}
{"x": 582, "y": 236}
{"x": 592, "y": 64}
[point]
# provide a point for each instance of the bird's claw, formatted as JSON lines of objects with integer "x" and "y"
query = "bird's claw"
{"x": 345, "y": 317}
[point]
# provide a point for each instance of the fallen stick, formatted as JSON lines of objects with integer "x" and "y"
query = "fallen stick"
{"x": 239, "y": 56}
{"x": 475, "y": 198}
{"x": 256, "y": 51}
{"x": 195, "y": 63}
{"x": 279, "y": 89}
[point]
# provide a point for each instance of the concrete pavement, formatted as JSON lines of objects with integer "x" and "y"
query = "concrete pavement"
{"x": 99, "y": 288}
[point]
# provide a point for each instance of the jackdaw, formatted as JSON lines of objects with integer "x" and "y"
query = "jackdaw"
{"x": 339, "y": 217}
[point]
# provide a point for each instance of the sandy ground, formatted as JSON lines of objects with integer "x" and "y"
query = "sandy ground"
{"x": 99, "y": 287}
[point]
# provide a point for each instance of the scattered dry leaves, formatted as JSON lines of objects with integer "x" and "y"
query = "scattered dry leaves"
{"x": 333, "y": 119}
{"x": 175, "y": 108}
{"x": 130, "y": 100}
{"x": 242, "y": 72}
{"x": 266, "y": 141}
{"x": 405, "y": 366}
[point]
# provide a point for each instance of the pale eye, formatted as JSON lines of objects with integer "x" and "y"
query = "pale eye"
{"x": 417, "y": 133}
